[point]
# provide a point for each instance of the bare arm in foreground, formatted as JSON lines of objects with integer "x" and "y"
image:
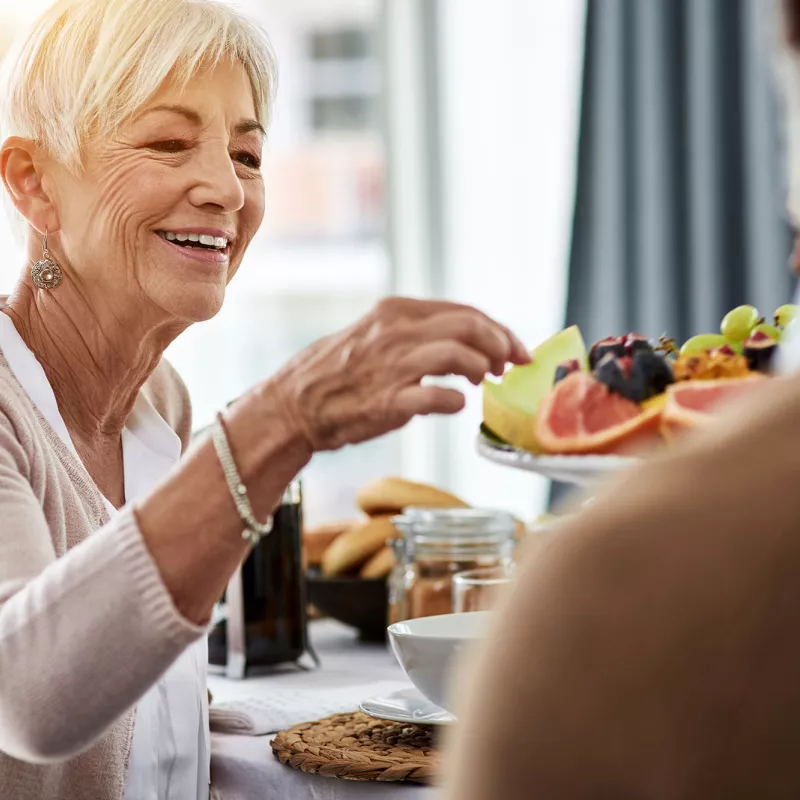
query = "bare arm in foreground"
{"x": 652, "y": 649}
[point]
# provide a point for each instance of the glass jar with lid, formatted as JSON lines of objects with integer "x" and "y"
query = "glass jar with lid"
{"x": 435, "y": 545}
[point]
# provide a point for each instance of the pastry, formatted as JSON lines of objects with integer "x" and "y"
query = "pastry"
{"x": 355, "y": 547}
{"x": 380, "y": 565}
{"x": 394, "y": 495}
{"x": 318, "y": 539}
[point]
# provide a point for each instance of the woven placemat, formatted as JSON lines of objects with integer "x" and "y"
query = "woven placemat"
{"x": 357, "y": 747}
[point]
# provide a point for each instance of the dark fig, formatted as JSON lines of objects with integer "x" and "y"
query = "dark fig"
{"x": 567, "y": 368}
{"x": 636, "y": 343}
{"x": 759, "y": 350}
{"x": 611, "y": 345}
{"x": 656, "y": 370}
{"x": 623, "y": 376}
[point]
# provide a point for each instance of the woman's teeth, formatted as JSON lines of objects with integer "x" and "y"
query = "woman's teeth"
{"x": 215, "y": 242}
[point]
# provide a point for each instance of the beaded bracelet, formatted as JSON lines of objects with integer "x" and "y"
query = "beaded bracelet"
{"x": 254, "y": 530}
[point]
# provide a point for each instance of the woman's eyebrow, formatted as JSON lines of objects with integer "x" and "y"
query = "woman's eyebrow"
{"x": 242, "y": 127}
{"x": 249, "y": 125}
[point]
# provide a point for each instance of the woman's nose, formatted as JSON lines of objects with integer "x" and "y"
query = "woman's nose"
{"x": 217, "y": 182}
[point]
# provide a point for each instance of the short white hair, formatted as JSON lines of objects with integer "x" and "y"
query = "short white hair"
{"x": 86, "y": 66}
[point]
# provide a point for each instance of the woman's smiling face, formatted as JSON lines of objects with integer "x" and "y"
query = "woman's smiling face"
{"x": 185, "y": 167}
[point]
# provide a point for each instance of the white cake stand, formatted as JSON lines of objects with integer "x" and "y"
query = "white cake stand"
{"x": 575, "y": 470}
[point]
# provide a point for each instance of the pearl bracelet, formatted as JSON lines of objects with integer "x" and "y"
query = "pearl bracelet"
{"x": 254, "y": 530}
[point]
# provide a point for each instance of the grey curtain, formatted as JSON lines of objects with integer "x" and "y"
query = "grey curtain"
{"x": 679, "y": 212}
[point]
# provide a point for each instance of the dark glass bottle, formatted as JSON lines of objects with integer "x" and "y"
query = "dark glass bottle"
{"x": 270, "y": 597}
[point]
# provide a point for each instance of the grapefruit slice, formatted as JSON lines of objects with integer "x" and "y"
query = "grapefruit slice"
{"x": 582, "y": 416}
{"x": 510, "y": 406}
{"x": 692, "y": 404}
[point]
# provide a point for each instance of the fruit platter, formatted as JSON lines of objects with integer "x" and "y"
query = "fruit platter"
{"x": 578, "y": 414}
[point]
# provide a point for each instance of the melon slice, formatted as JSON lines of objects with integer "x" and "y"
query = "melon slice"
{"x": 510, "y": 406}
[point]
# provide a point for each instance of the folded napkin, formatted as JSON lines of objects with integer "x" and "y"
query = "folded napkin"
{"x": 275, "y": 710}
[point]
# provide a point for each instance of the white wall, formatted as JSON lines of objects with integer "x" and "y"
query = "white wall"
{"x": 511, "y": 74}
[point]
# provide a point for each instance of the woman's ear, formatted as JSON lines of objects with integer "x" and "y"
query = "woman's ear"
{"x": 21, "y": 166}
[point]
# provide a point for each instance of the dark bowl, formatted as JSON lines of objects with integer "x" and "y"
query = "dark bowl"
{"x": 359, "y": 602}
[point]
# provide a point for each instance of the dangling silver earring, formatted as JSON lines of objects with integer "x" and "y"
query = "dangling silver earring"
{"x": 46, "y": 273}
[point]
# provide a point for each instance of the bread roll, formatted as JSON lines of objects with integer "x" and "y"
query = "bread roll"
{"x": 393, "y": 495}
{"x": 358, "y": 545}
{"x": 380, "y": 565}
{"x": 317, "y": 540}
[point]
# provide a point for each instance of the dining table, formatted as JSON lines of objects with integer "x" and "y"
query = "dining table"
{"x": 243, "y": 766}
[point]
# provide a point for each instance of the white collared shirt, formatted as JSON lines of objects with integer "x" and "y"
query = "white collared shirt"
{"x": 170, "y": 754}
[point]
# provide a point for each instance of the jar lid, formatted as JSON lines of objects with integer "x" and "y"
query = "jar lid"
{"x": 455, "y": 526}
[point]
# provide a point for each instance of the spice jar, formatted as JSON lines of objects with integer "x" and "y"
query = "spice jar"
{"x": 438, "y": 543}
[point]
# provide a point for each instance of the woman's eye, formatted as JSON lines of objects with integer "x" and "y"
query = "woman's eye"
{"x": 169, "y": 146}
{"x": 248, "y": 159}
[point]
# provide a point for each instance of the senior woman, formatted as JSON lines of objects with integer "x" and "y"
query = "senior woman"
{"x": 132, "y": 159}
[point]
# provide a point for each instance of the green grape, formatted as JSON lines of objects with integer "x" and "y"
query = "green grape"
{"x": 739, "y": 323}
{"x": 786, "y": 314}
{"x": 737, "y": 347}
{"x": 769, "y": 330}
{"x": 702, "y": 343}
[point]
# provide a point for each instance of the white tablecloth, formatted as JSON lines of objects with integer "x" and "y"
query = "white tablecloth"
{"x": 244, "y": 768}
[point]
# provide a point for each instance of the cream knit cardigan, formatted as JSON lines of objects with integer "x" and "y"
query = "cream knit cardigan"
{"x": 86, "y": 623}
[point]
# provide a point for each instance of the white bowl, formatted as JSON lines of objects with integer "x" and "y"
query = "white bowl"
{"x": 427, "y": 649}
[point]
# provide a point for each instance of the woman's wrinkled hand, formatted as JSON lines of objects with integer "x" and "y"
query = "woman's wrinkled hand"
{"x": 367, "y": 380}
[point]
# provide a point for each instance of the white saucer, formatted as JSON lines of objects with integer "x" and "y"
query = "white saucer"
{"x": 407, "y": 705}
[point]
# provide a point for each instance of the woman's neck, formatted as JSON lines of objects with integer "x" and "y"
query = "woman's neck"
{"x": 95, "y": 359}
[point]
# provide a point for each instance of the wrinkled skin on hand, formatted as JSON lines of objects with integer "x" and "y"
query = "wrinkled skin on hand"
{"x": 367, "y": 380}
